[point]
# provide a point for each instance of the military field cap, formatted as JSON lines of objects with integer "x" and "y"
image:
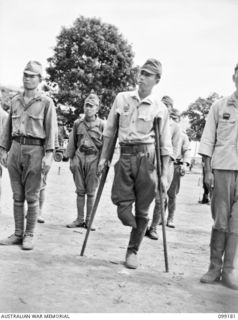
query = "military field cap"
{"x": 92, "y": 99}
{"x": 33, "y": 68}
{"x": 152, "y": 66}
{"x": 174, "y": 114}
{"x": 167, "y": 101}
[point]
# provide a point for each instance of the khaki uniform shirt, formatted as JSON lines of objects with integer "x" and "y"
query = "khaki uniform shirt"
{"x": 220, "y": 136}
{"x": 37, "y": 119}
{"x": 78, "y": 137}
{"x": 184, "y": 149}
{"x": 136, "y": 120}
{"x": 176, "y": 137}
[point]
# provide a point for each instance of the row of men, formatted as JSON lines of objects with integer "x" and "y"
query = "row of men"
{"x": 28, "y": 141}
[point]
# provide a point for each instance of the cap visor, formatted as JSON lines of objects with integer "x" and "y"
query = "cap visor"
{"x": 31, "y": 73}
{"x": 147, "y": 70}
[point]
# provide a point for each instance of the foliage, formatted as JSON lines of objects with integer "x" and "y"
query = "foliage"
{"x": 197, "y": 113}
{"x": 91, "y": 56}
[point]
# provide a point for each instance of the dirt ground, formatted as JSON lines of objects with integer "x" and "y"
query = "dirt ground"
{"x": 55, "y": 278}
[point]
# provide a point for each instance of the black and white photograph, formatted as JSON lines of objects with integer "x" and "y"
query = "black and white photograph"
{"x": 119, "y": 159}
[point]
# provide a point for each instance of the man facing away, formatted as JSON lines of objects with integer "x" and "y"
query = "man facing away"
{"x": 135, "y": 173}
{"x": 27, "y": 145}
{"x": 219, "y": 148}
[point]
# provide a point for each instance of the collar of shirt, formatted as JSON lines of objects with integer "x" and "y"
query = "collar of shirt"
{"x": 232, "y": 101}
{"x": 37, "y": 97}
{"x": 147, "y": 100}
{"x": 94, "y": 123}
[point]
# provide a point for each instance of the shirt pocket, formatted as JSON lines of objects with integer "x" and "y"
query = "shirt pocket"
{"x": 144, "y": 122}
{"x": 226, "y": 131}
{"x": 124, "y": 120}
{"x": 34, "y": 125}
{"x": 16, "y": 120}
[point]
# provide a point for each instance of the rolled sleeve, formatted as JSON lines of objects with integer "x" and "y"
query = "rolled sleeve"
{"x": 208, "y": 139}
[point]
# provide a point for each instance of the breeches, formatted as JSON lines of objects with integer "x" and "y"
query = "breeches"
{"x": 85, "y": 174}
{"x": 24, "y": 166}
{"x": 135, "y": 181}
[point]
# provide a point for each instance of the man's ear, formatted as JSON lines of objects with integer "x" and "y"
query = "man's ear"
{"x": 157, "y": 79}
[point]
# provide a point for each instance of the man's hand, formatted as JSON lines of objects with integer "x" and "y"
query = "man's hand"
{"x": 71, "y": 164}
{"x": 3, "y": 157}
{"x": 209, "y": 180}
{"x": 183, "y": 169}
{"x": 47, "y": 161}
{"x": 101, "y": 165}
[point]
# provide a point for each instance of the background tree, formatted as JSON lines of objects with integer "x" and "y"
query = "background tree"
{"x": 197, "y": 113}
{"x": 90, "y": 56}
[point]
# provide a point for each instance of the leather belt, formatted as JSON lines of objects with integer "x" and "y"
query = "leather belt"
{"x": 136, "y": 148}
{"x": 29, "y": 141}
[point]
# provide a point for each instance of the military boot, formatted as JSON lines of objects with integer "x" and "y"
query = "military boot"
{"x": 79, "y": 222}
{"x": 136, "y": 238}
{"x": 217, "y": 247}
{"x": 31, "y": 218}
{"x": 229, "y": 278}
{"x": 17, "y": 237}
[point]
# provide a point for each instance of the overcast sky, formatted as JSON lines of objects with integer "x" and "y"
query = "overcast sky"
{"x": 196, "y": 40}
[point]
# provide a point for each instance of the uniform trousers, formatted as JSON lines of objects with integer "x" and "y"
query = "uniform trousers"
{"x": 24, "y": 166}
{"x": 224, "y": 201}
{"x": 135, "y": 182}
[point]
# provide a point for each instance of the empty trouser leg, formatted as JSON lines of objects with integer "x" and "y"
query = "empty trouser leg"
{"x": 217, "y": 247}
{"x": 124, "y": 212}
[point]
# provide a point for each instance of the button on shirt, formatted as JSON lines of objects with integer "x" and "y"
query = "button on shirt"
{"x": 36, "y": 119}
{"x": 136, "y": 120}
{"x": 220, "y": 136}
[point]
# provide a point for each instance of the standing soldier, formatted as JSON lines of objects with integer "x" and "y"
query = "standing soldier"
{"x": 3, "y": 119}
{"x": 135, "y": 174}
{"x": 175, "y": 140}
{"x": 182, "y": 161}
{"x": 219, "y": 149}
{"x": 85, "y": 142}
{"x": 29, "y": 136}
